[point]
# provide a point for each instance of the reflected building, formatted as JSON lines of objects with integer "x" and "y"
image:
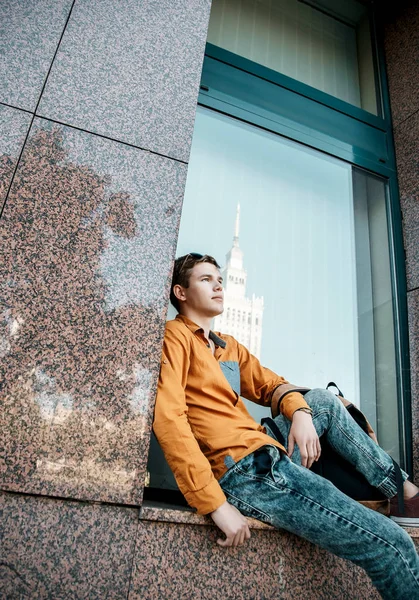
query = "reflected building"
{"x": 242, "y": 316}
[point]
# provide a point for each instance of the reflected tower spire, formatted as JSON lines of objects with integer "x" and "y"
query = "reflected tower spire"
{"x": 242, "y": 316}
{"x": 237, "y": 227}
{"x": 235, "y": 274}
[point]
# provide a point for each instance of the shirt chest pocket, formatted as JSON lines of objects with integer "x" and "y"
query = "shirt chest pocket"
{"x": 231, "y": 371}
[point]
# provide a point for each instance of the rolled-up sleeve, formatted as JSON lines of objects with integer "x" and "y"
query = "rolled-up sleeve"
{"x": 259, "y": 383}
{"x": 190, "y": 467}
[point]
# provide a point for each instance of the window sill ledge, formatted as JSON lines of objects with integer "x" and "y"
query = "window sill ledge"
{"x": 154, "y": 511}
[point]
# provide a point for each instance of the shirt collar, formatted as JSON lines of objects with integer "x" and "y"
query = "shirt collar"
{"x": 218, "y": 341}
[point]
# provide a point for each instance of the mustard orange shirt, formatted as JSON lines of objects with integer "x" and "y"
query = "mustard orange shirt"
{"x": 200, "y": 417}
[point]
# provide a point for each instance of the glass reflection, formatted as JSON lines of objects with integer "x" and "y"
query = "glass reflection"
{"x": 307, "y": 264}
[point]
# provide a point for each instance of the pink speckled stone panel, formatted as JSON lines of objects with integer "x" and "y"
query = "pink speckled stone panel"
{"x": 400, "y": 27}
{"x": 406, "y": 137}
{"x": 175, "y": 561}
{"x": 401, "y": 44}
{"x": 14, "y": 125}
{"x": 30, "y": 33}
{"x": 65, "y": 550}
{"x": 86, "y": 247}
{"x": 413, "y": 308}
{"x": 131, "y": 71}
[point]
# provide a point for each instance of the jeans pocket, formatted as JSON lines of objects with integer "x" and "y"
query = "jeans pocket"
{"x": 262, "y": 463}
{"x": 248, "y": 508}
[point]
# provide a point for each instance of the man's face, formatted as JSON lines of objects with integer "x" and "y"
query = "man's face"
{"x": 205, "y": 294}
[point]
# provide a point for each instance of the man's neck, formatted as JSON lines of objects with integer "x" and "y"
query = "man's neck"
{"x": 200, "y": 320}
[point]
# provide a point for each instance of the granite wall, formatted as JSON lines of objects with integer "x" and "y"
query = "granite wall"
{"x": 97, "y": 105}
{"x": 60, "y": 549}
{"x": 401, "y": 39}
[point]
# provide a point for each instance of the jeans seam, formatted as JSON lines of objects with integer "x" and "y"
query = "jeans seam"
{"x": 230, "y": 472}
{"x": 362, "y": 448}
{"x": 256, "y": 477}
{"x": 330, "y": 512}
{"x": 370, "y": 533}
{"x": 257, "y": 510}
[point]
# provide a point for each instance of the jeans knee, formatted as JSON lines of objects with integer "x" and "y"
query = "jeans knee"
{"x": 322, "y": 398}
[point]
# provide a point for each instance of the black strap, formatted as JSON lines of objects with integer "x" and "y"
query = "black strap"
{"x": 359, "y": 417}
{"x": 274, "y": 428}
{"x": 399, "y": 483}
{"x": 333, "y": 384}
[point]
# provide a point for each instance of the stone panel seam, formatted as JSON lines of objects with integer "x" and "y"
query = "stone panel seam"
{"x": 77, "y": 129}
{"x": 134, "y": 554}
{"x": 406, "y": 119}
{"x": 34, "y": 113}
{"x": 106, "y": 137}
{"x": 8, "y": 492}
{"x": 55, "y": 54}
{"x": 17, "y": 108}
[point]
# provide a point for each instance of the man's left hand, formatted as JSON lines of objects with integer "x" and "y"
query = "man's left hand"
{"x": 303, "y": 434}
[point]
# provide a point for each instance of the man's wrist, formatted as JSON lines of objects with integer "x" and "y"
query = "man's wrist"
{"x": 305, "y": 409}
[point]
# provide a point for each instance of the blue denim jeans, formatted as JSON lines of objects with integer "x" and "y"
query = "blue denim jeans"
{"x": 270, "y": 487}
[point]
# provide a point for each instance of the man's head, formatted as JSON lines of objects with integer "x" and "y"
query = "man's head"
{"x": 197, "y": 283}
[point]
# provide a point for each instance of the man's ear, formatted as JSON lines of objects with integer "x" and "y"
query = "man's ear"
{"x": 178, "y": 291}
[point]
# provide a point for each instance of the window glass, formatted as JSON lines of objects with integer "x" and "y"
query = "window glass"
{"x": 377, "y": 358}
{"x": 323, "y": 43}
{"x": 303, "y": 243}
{"x": 278, "y": 216}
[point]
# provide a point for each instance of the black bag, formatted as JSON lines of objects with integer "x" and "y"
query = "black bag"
{"x": 331, "y": 465}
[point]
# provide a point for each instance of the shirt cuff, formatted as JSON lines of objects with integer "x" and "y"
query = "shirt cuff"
{"x": 292, "y": 402}
{"x": 207, "y": 499}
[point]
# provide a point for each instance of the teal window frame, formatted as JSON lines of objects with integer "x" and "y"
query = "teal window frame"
{"x": 247, "y": 91}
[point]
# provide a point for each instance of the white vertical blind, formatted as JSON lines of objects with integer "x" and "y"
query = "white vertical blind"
{"x": 295, "y": 39}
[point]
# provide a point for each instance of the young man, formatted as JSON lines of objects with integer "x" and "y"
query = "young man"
{"x": 228, "y": 466}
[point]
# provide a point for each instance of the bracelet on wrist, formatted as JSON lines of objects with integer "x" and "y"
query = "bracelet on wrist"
{"x": 305, "y": 409}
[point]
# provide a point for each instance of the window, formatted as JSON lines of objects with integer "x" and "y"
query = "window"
{"x": 320, "y": 260}
{"x": 318, "y": 248}
{"x": 322, "y": 43}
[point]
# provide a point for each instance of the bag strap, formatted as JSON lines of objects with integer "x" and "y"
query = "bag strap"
{"x": 399, "y": 483}
{"x": 333, "y": 384}
{"x": 355, "y": 413}
{"x": 280, "y": 392}
{"x": 274, "y": 428}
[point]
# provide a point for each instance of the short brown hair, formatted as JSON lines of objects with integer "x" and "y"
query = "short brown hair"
{"x": 182, "y": 271}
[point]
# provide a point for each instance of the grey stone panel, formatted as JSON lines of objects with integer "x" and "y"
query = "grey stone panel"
{"x": 29, "y": 35}
{"x": 130, "y": 71}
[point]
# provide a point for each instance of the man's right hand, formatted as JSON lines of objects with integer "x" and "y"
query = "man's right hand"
{"x": 232, "y": 523}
